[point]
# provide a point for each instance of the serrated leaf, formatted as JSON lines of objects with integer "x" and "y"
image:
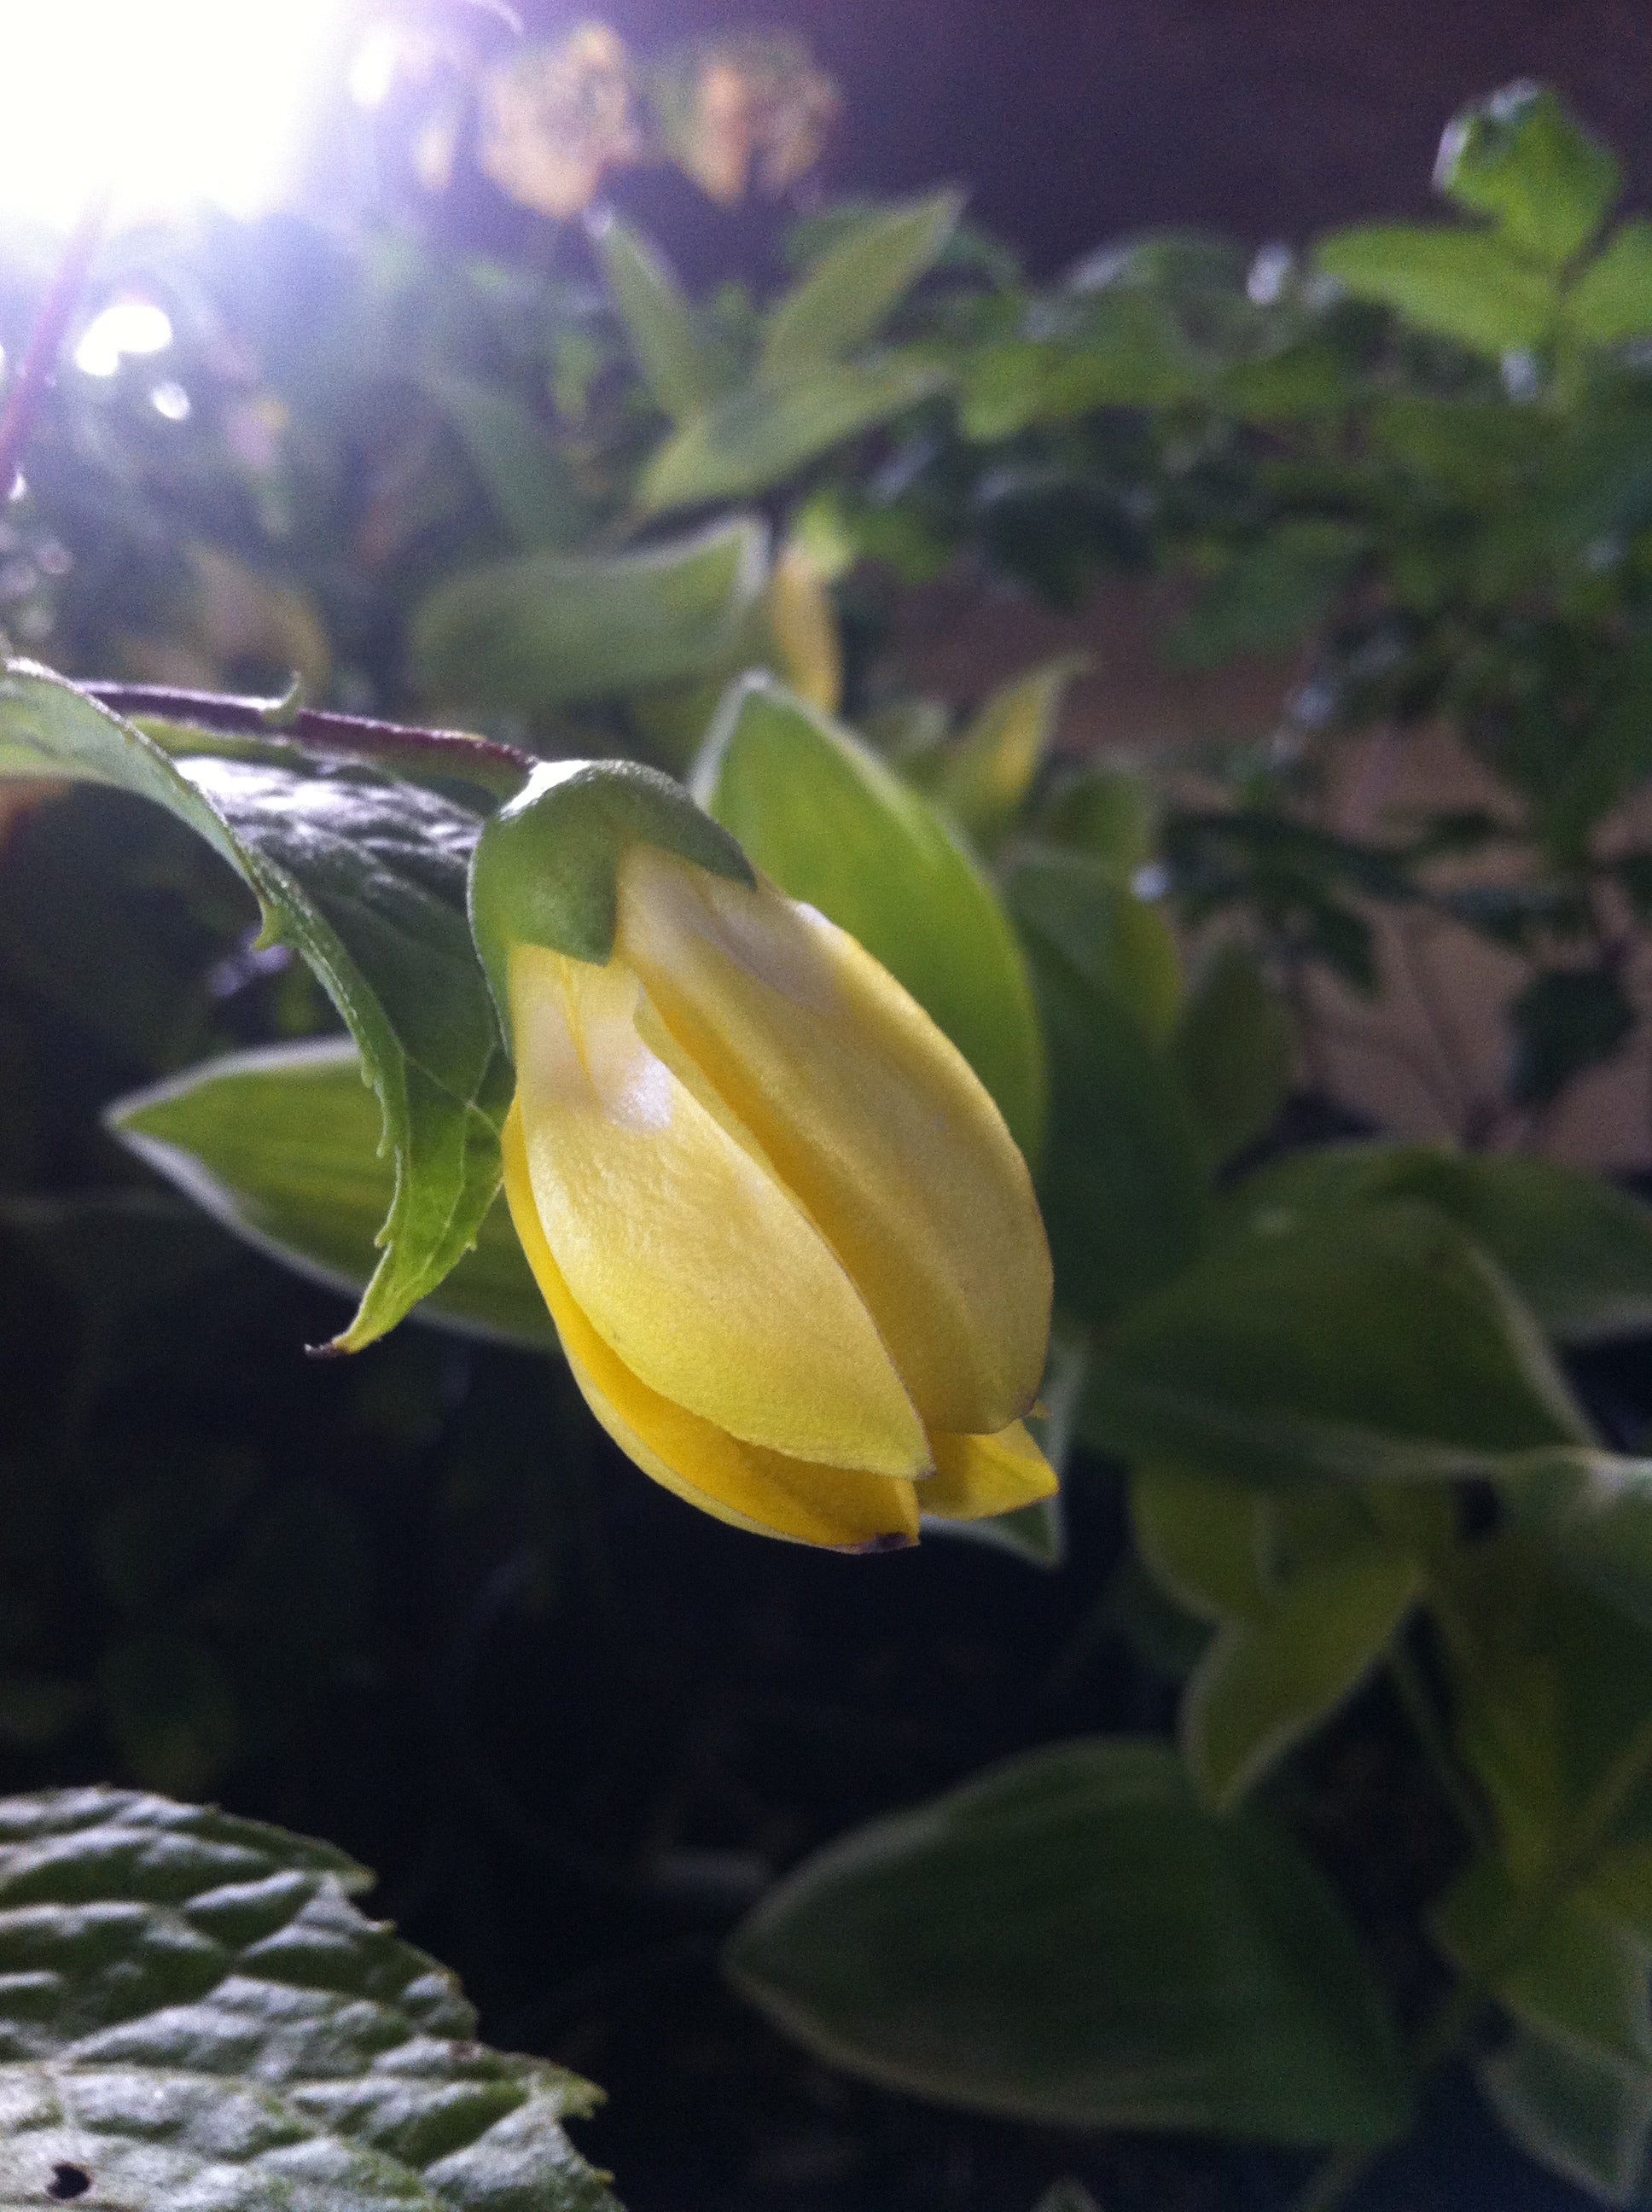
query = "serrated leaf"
{"x": 1460, "y": 284}
{"x": 1521, "y": 158}
{"x": 1577, "y": 1248}
{"x": 192, "y": 2012}
{"x": 845, "y": 296}
{"x": 1234, "y": 1051}
{"x": 1265, "y": 1682}
{"x": 364, "y": 874}
{"x": 1612, "y": 300}
{"x": 761, "y": 435}
{"x": 531, "y": 488}
{"x": 534, "y": 633}
{"x": 1072, "y": 1939}
{"x": 281, "y": 1145}
{"x": 816, "y": 810}
{"x": 1375, "y": 1344}
{"x": 659, "y": 320}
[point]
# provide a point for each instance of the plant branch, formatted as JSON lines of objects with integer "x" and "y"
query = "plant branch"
{"x": 39, "y": 359}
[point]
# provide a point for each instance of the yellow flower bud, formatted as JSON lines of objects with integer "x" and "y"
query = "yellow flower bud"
{"x": 792, "y": 1251}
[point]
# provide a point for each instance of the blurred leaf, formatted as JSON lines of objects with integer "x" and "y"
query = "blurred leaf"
{"x": 196, "y": 2014}
{"x": 1577, "y": 1249}
{"x": 282, "y": 1146}
{"x": 1593, "y": 1514}
{"x": 1375, "y": 1343}
{"x": 825, "y": 818}
{"x": 1574, "y": 2085}
{"x": 1199, "y": 1533}
{"x": 1122, "y": 1179}
{"x": 1115, "y": 939}
{"x": 1612, "y": 300}
{"x": 763, "y": 433}
{"x": 675, "y": 366}
{"x": 1268, "y": 1679}
{"x": 1070, "y": 1940}
{"x": 530, "y": 485}
{"x": 1110, "y": 813}
{"x": 803, "y": 623}
{"x": 1235, "y": 1050}
{"x": 847, "y": 294}
{"x": 171, "y": 1711}
{"x": 1564, "y": 1022}
{"x": 365, "y": 875}
{"x": 1271, "y": 595}
{"x": 534, "y": 633}
{"x": 1521, "y": 158}
{"x": 1460, "y": 284}
{"x": 983, "y": 780}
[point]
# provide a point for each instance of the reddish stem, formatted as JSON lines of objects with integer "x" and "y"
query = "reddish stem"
{"x": 45, "y": 340}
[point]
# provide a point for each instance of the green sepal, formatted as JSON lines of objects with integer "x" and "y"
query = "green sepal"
{"x": 544, "y": 871}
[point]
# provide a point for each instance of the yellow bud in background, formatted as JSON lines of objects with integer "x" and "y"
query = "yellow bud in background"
{"x": 792, "y": 1251}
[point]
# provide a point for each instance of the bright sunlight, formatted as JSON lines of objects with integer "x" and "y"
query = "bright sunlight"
{"x": 168, "y": 101}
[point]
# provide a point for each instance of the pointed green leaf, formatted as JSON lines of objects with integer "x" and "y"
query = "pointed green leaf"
{"x": 193, "y": 2012}
{"x": 984, "y": 779}
{"x": 762, "y": 434}
{"x": 1072, "y": 1940}
{"x": 1521, "y": 158}
{"x": 675, "y": 366}
{"x": 816, "y": 810}
{"x": 846, "y": 295}
{"x": 1612, "y": 298}
{"x": 364, "y": 874}
{"x": 281, "y": 1145}
{"x": 1460, "y": 284}
{"x": 530, "y": 634}
{"x": 531, "y": 486}
{"x": 1235, "y": 1049}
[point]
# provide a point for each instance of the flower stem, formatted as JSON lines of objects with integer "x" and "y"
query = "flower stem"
{"x": 45, "y": 340}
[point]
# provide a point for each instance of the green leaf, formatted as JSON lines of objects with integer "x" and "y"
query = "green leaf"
{"x": 816, "y": 810}
{"x": 1521, "y": 158}
{"x": 1266, "y": 1680}
{"x": 1375, "y": 1343}
{"x": 675, "y": 366}
{"x": 1200, "y": 1535}
{"x": 1574, "y": 2085}
{"x": 761, "y": 435}
{"x": 1072, "y": 1940}
{"x": 1593, "y": 1513}
{"x": 1271, "y": 595}
{"x": 1564, "y": 1022}
{"x": 1235, "y": 1050}
{"x": 281, "y": 1145}
{"x": 1122, "y": 1179}
{"x": 1108, "y": 811}
{"x": 534, "y": 632}
{"x": 1118, "y": 942}
{"x": 1612, "y": 298}
{"x": 194, "y": 2012}
{"x": 1577, "y": 1249}
{"x": 530, "y": 486}
{"x": 983, "y": 780}
{"x": 1460, "y": 284}
{"x": 364, "y": 874}
{"x": 847, "y": 294}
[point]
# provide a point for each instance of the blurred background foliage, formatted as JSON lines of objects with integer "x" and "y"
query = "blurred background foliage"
{"x": 450, "y": 442}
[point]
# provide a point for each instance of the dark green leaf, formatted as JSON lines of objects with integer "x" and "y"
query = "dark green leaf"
{"x": 282, "y": 1146}
{"x": 1564, "y": 1022}
{"x": 1201, "y": 1535}
{"x": 845, "y": 296}
{"x": 1374, "y": 1343}
{"x": 195, "y": 2014}
{"x": 1235, "y": 1050}
{"x": 1072, "y": 1940}
{"x": 1521, "y": 158}
{"x": 1271, "y": 595}
{"x": 1460, "y": 284}
{"x": 762, "y": 434}
{"x": 1577, "y": 1249}
{"x": 1115, "y": 941}
{"x": 364, "y": 874}
{"x": 817, "y": 812}
{"x": 534, "y": 633}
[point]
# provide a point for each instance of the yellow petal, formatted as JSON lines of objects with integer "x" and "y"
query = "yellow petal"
{"x": 869, "y": 1115}
{"x": 679, "y": 1245}
{"x": 742, "y": 1483}
{"x": 977, "y": 1475}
